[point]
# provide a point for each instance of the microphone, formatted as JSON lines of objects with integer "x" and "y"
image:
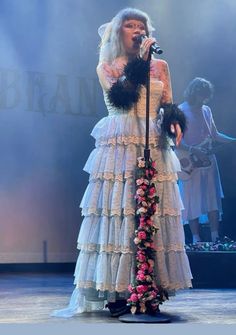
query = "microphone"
{"x": 154, "y": 47}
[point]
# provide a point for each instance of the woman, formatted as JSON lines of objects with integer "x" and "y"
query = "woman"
{"x": 105, "y": 264}
{"x": 201, "y": 187}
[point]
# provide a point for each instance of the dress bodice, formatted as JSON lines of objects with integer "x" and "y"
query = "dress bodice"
{"x": 139, "y": 109}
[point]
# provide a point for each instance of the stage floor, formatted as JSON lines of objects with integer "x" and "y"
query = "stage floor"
{"x": 31, "y": 297}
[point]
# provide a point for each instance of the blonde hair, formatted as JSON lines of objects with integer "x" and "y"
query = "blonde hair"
{"x": 111, "y": 45}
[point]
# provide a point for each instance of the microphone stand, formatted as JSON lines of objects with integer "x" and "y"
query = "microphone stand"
{"x": 147, "y": 150}
{"x": 158, "y": 317}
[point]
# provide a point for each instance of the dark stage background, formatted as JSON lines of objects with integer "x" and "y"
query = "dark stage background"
{"x": 50, "y": 100}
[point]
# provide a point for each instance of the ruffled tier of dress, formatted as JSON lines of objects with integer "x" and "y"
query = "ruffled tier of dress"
{"x": 113, "y": 197}
{"x": 120, "y": 139}
{"x": 106, "y": 260}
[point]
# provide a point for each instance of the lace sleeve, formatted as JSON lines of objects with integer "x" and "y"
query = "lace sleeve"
{"x": 164, "y": 76}
{"x": 106, "y": 75}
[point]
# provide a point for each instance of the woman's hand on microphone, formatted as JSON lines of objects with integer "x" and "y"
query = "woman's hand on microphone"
{"x": 145, "y": 47}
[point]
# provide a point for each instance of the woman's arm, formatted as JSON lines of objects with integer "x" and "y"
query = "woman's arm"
{"x": 107, "y": 75}
{"x": 216, "y": 135}
{"x": 174, "y": 122}
{"x": 164, "y": 76}
{"x": 124, "y": 90}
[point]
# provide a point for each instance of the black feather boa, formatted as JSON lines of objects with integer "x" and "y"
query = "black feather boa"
{"x": 126, "y": 91}
{"x": 123, "y": 94}
{"x": 136, "y": 71}
{"x": 172, "y": 115}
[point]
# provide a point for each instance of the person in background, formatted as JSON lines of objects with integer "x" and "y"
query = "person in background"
{"x": 105, "y": 265}
{"x": 200, "y": 183}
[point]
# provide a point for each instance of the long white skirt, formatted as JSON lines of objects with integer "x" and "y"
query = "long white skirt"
{"x": 106, "y": 261}
{"x": 202, "y": 193}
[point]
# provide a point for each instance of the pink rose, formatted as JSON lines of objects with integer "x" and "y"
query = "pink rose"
{"x": 139, "y": 181}
{"x": 140, "y": 272}
{"x": 149, "y": 222}
{"x": 140, "y": 296}
{"x": 142, "y": 288}
{"x": 130, "y": 288}
{"x": 142, "y": 225}
{"x": 144, "y": 267}
{"x": 152, "y": 191}
{"x": 140, "y": 252}
{"x": 141, "y": 277}
{"x": 139, "y": 199}
{"x": 133, "y": 297}
{"x": 153, "y": 294}
{"x": 142, "y": 220}
{"x": 151, "y": 172}
{"x": 142, "y": 198}
{"x": 141, "y": 258}
{"x": 140, "y": 192}
{"x": 142, "y": 235}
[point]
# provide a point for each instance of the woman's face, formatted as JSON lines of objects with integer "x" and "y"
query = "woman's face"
{"x": 130, "y": 29}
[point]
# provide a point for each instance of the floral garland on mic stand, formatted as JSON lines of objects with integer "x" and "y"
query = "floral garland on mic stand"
{"x": 145, "y": 295}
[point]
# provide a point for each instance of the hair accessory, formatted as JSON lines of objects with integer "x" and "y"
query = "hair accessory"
{"x": 104, "y": 31}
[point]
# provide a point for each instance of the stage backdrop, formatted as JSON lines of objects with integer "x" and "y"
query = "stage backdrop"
{"x": 50, "y": 100}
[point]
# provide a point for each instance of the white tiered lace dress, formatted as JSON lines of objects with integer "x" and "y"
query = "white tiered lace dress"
{"x": 105, "y": 266}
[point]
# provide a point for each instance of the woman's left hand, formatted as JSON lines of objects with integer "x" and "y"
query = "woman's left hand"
{"x": 176, "y": 130}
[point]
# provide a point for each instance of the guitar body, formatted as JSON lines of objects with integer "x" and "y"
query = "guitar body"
{"x": 190, "y": 163}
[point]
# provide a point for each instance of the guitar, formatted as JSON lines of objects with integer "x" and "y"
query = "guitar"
{"x": 191, "y": 163}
